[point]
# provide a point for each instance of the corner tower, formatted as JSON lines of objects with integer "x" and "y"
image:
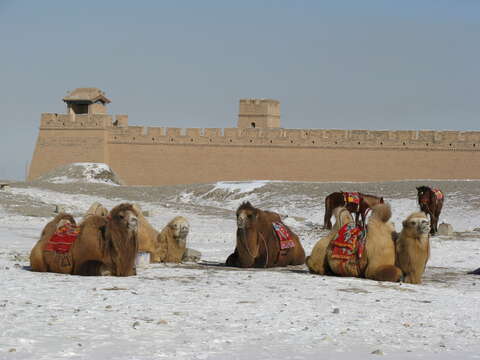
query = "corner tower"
{"x": 86, "y": 101}
{"x": 259, "y": 113}
{"x": 80, "y": 135}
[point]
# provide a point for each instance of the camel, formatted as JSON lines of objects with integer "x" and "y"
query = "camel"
{"x": 355, "y": 202}
{"x": 378, "y": 259}
{"x": 413, "y": 247}
{"x": 104, "y": 246}
{"x": 431, "y": 201}
{"x": 167, "y": 246}
{"x": 264, "y": 241}
{"x": 172, "y": 241}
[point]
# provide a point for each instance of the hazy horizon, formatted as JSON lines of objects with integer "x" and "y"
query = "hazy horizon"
{"x": 344, "y": 64}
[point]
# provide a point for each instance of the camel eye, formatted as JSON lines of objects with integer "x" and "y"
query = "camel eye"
{"x": 412, "y": 223}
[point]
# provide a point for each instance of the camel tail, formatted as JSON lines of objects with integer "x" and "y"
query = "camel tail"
{"x": 382, "y": 212}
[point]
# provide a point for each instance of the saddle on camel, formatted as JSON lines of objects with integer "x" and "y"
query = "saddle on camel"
{"x": 355, "y": 202}
{"x": 431, "y": 201}
{"x": 99, "y": 246}
{"x": 350, "y": 250}
{"x": 264, "y": 241}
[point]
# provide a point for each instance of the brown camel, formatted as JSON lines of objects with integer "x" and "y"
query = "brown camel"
{"x": 431, "y": 201}
{"x": 355, "y": 202}
{"x": 377, "y": 262}
{"x": 413, "y": 247}
{"x": 260, "y": 245}
{"x": 105, "y": 245}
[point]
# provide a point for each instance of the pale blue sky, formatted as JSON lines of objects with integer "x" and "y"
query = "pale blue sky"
{"x": 332, "y": 64}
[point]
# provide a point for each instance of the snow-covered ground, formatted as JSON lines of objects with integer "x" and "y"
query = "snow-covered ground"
{"x": 195, "y": 311}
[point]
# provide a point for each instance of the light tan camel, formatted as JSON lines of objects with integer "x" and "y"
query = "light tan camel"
{"x": 105, "y": 245}
{"x": 167, "y": 246}
{"x": 378, "y": 260}
{"x": 413, "y": 247}
{"x": 172, "y": 241}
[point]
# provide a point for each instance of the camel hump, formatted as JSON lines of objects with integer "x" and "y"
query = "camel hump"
{"x": 179, "y": 220}
{"x": 94, "y": 221}
{"x": 382, "y": 212}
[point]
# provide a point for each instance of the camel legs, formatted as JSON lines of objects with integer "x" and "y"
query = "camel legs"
{"x": 37, "y": 262}
{"x": 327, "y": 223}
{"x": 232, "y": 260}
{"x": 317, "y": 262}
{"x": 384, "y": 273}
{"x": 413, "y": 278}
{"x": 433, "y": 222}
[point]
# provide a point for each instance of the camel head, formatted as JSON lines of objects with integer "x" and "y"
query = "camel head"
{"x": 126, "y": 217}
{"x": 423, "y": 194}
{"x": 122, "y": 238}
{"x": 247, "y": 237}
{"x": 416, "y": 225}
{"x": 180, "y": 228}
{"x": 246, "y": 216}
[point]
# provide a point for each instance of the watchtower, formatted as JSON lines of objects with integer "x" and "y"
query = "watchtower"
{"x": 86, "y": 101}
{"x": 259, "y": 113}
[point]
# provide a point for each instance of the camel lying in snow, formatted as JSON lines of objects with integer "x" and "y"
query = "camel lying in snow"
{"x": 377, "y": 259}
{"x": 170, "y": 245}
{"x": 99, "y": 246}
{"x": 264, "y": 241}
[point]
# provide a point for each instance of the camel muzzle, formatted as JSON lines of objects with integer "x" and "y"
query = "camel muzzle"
{"x": 423, "y": 228}
{"x": 133, "y": 224}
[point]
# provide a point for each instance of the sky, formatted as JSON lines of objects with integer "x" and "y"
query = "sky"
{"x": 339, "y": 64}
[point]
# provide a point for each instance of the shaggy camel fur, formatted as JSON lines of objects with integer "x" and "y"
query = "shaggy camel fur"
{"x": 258, "y": 245}
{"x": 413, "y": 247}
{"x": 167, "y": 246}
{"x": 105, "y": 245}
{"x": 378, "y": 260}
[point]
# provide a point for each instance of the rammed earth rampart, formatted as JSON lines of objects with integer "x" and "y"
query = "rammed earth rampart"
{"x": 160, "y": 156}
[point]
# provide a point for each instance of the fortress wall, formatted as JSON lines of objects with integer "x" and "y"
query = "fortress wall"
{"x": 141, "y": 154}
{"x": 64, "y": 139}
{"x": 56, "y": 148}
{"x": 164, "y": 164}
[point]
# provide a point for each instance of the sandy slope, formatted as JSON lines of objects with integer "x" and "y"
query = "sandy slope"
{"x": 202, "y": 312}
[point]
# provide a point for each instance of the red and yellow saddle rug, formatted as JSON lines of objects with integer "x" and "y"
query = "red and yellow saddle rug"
{"x": 349, "y": 243}
{"x": 283, "y": 235}
{"x": 351, "y": 198}
{"x": 63, "y": 239}
{"x": 438, "y": 193}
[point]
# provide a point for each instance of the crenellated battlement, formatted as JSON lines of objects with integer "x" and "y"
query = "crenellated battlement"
{"x": 82, "y": 121}
{"x": 314, "y": 138}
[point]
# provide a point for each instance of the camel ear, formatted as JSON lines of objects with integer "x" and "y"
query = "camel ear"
{"x": 404, "y": 223}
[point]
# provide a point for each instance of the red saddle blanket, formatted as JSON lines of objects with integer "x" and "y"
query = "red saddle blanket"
{"x": 283, "y": 235}
{"x": 438, "y": 193}
{"x": 62, "y": 240}
{"x": 349, "y": 242}
{"x": 351, "y": 197}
